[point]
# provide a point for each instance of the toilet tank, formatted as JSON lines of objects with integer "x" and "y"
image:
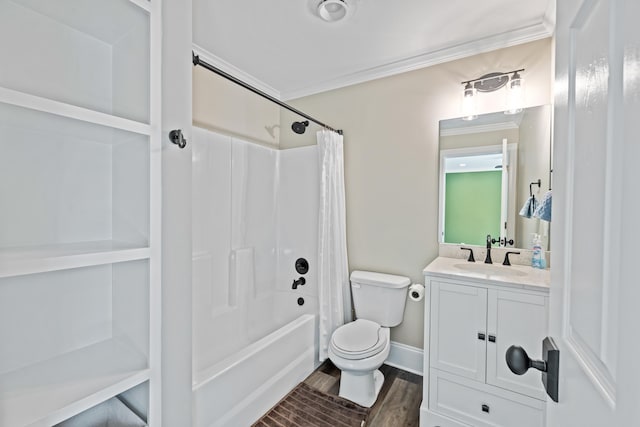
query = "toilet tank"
{"x": 379, "y": 297}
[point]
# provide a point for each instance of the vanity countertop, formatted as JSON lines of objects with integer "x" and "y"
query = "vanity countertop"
{"x": 518, "y": 276}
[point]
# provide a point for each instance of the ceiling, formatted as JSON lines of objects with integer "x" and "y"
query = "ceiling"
{"x": 283, "y": 48}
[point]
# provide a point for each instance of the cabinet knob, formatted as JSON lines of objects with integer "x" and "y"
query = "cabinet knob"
{"x": 485, "y": 408}
{"x": 481, "y": 336}
{"x": 492, "y": 338}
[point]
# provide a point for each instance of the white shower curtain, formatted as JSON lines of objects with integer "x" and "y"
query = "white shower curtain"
{"x": 333, "y": 269}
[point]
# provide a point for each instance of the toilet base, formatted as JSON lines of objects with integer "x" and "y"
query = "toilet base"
{"x": 361, "y": 387}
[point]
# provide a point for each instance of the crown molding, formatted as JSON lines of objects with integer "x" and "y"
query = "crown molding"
{"x": 478, "y": 129}
{"x": 227, "y": 67}
{"x": 511, "y": 38}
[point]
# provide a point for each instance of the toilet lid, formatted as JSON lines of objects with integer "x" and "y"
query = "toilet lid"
{"x": 358, "y": 340}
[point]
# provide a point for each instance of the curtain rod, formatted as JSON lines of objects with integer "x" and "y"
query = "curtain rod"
{"x": 218, "y": 71}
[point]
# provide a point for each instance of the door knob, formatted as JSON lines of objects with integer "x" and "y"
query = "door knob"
{"x": 519, "y": 362}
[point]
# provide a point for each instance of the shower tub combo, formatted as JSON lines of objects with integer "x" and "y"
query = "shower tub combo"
{"x": 254, "y": 336}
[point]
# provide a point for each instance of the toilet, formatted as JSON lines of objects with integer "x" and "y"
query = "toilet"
{"x": 360, "y": 347}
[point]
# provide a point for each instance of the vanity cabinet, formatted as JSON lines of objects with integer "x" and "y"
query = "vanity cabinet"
{"x": 470, "y": 324}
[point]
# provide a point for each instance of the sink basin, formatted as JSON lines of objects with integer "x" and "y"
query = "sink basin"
{"x": 489, "y": 269}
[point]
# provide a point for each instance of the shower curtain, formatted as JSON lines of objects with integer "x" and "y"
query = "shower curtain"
{"x": 334, "y": 293}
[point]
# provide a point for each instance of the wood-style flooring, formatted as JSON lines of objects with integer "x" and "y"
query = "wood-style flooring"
{"x": 398, "y": 403}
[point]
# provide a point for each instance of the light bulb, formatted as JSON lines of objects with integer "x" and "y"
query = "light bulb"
{"x": 515, "y": 94}
{"x": 469, "y": 102}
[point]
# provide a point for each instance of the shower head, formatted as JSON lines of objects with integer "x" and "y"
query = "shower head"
{"x": 299, "y": 127}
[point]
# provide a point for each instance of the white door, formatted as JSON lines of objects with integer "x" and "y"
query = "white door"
{"x": 595, "y": 290}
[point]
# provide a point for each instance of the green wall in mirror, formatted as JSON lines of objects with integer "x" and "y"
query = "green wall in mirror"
{"x": 472, "y": 206}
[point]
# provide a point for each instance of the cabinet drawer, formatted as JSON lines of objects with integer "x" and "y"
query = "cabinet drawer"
{"x": 431, "y": 419}
{"x": 481, "y": 405}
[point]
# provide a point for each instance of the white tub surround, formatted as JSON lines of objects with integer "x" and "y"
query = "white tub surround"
{"x": 254, "y": 214}
{"x": 475, "y": 312}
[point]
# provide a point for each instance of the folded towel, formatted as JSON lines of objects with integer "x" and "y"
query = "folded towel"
{"x": 529, "y": 207}
{"x": 543, "y": 211}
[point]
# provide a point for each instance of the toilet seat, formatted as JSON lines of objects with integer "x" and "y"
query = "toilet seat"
{"x": 358, "y": 340}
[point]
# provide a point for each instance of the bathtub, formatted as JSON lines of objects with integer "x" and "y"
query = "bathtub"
{"x": 239, "y": 389}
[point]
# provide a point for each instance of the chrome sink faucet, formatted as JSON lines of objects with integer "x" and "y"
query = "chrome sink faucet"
{"x": 488, "y": 260}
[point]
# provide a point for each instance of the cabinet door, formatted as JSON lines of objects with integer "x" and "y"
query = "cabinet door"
{"x": 515, "y": 319}
{"x": 458, "y": 325}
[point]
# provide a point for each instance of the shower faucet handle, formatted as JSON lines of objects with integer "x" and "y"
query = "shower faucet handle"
{"x": 298, "y": 282}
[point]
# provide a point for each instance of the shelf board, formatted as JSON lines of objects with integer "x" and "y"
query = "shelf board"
{"x": 143, "y": 4}
{"x": 19, "y": 261}
{"x": 50, "y": 392}
{"x": 33, "y": 102}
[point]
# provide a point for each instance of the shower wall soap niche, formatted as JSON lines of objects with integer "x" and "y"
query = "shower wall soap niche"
{"x": 79, "y": 224}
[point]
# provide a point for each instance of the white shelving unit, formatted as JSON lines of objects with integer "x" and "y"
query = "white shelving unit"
{"x": 79, "y": 207}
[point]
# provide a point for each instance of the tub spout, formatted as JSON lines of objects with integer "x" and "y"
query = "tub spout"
{"x": 298, "y": 282}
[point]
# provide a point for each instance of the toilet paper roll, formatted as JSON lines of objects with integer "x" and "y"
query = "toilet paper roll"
{"x": 416, "y": 292}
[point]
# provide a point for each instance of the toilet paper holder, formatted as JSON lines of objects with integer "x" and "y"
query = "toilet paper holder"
{"x": 416, "y": 292}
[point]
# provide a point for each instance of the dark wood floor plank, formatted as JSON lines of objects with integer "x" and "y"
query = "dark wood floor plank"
{"x": 326, "y": 383}
{"x": 400, "y": 407}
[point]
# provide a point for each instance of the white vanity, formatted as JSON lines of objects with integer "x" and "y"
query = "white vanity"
{"x": 473, "y": 313}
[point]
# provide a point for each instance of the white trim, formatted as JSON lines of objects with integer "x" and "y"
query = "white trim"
{"x": 155, "y": 291}
{"x": 406, "y": 357}
{"x": 479, "y": 129}
{"x": 235, "y": 71}
{"x": 487, "y": 44}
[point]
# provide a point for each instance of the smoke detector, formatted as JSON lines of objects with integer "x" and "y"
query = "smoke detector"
{"x": 334, "y": 10}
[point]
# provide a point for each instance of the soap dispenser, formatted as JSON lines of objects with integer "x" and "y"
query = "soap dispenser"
{"x": 538, "y": 260}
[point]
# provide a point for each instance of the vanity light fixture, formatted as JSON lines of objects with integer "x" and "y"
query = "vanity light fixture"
{"x": 490, "y": 83}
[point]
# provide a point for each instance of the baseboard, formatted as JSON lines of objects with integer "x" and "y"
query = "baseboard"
{"x": 406, "y": 357}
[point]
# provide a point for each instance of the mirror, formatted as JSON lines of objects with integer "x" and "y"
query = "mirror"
{"x": 489, "y": 168}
